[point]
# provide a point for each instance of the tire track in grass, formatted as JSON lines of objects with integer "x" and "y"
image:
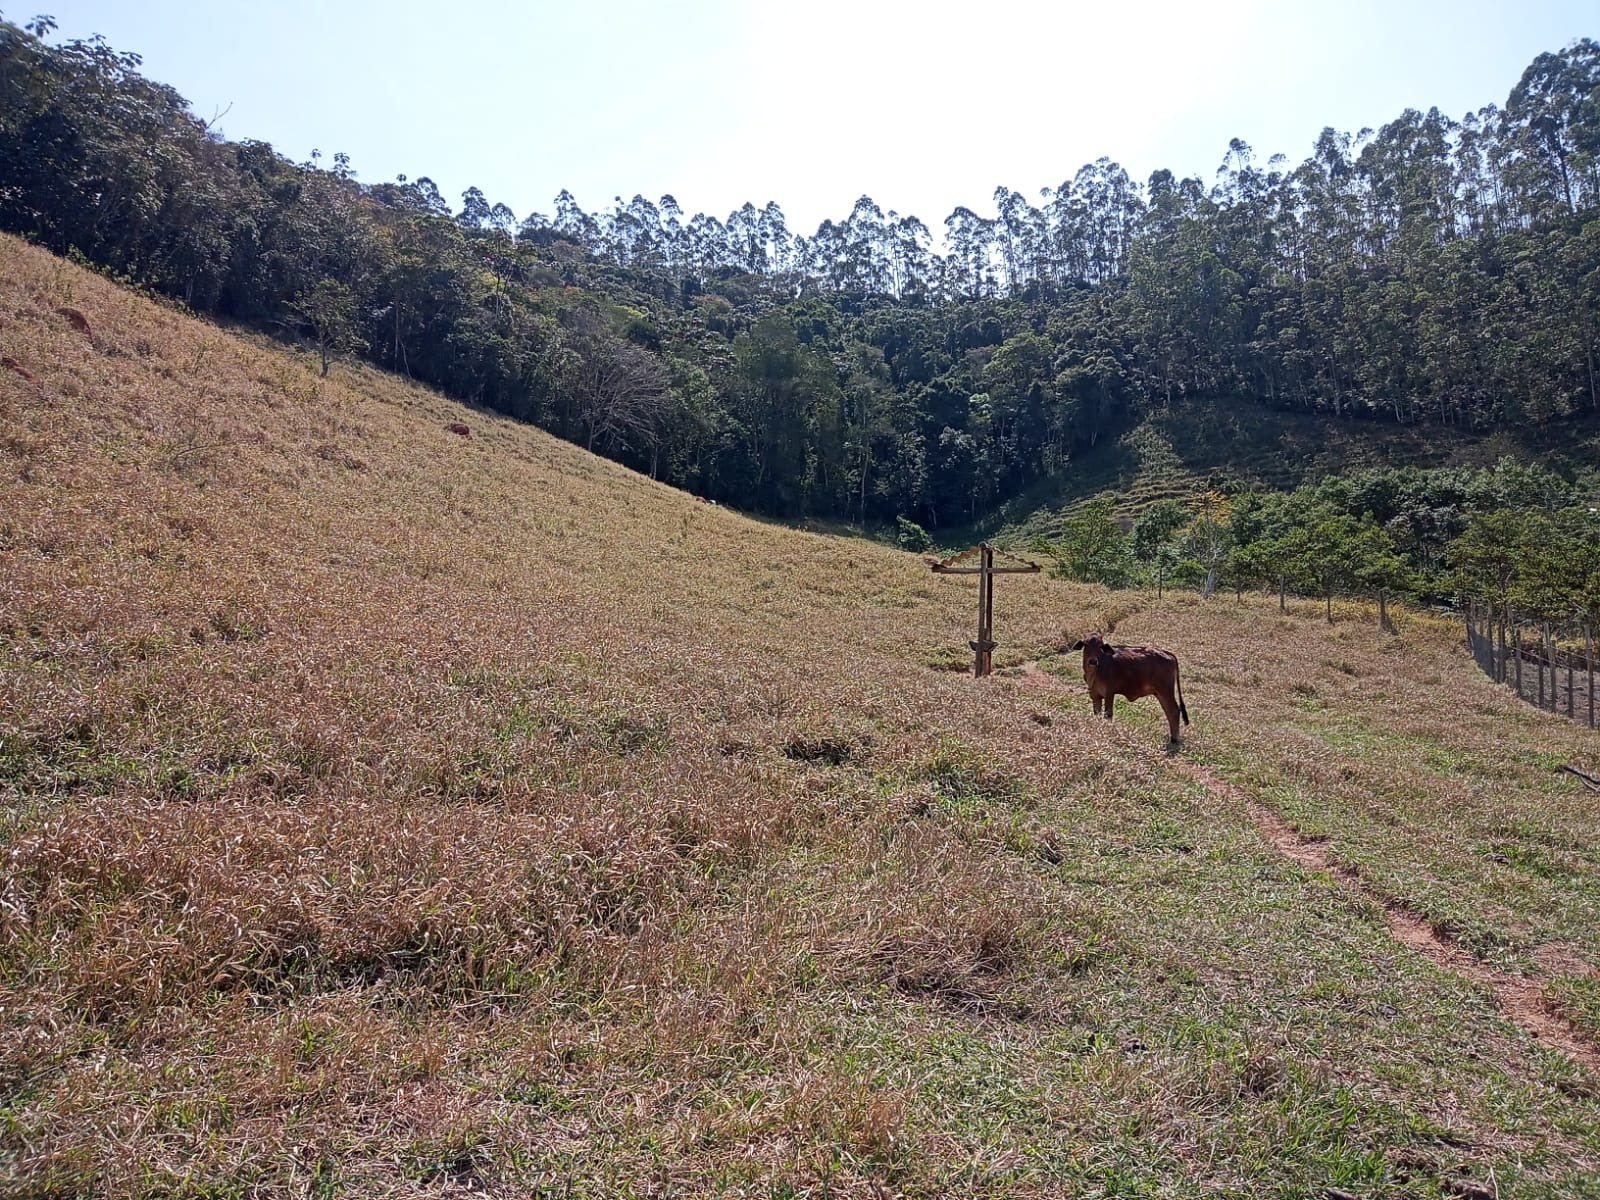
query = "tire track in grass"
{"x": 1520, "y": 998}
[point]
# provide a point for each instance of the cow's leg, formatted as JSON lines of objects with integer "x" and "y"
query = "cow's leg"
{"x": 1170, "y": 707}
{"x": 1111, "y": 702}
{"x": 1097, "y": 702}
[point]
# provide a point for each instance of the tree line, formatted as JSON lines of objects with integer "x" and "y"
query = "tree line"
{"x": 1515, "y": 539}
{"x": 1434, "y": 270}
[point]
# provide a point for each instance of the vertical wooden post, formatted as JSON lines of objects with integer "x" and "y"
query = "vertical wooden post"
{"x": 977, "y": 646}
{"x": 1486, "y": 641}
{"x": 1548, "y": 658}
{"x": 983, "y": 645}
{"x": 989, "y": 608}
{"x": 983, "y": 648}
{"x": 1588, "y": 662}
{"x": 1569, "y": 685}
{"x": 1516, "y": 635}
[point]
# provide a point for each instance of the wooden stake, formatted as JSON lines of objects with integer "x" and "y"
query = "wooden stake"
{"x": 1569, "y": 685}
{"x": 1510, "y": 622}
{"x": 1549, "y": 657}
{"x": 980, "y": 667}
{"x": 1588, "y": 661}
{"x": 983, "y": 647}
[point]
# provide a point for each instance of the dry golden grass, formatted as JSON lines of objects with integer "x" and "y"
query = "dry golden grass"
{"x": 387, "y": 812}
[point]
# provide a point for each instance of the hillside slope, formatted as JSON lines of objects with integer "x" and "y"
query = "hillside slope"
{"x": 391, "y": 812}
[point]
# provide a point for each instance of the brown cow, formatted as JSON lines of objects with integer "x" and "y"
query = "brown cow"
{"x": 1132, "y": 671}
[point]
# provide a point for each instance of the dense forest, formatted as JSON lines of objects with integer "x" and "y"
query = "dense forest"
{"x": 1432, "y": 271}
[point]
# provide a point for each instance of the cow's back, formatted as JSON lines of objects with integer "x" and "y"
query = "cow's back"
{"x": 1144, "y": 671}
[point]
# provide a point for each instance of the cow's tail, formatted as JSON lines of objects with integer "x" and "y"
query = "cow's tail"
{"x": 1178, "y": 677}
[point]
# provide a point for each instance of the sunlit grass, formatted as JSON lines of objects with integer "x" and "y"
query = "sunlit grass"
{"x": 387, "y": 812}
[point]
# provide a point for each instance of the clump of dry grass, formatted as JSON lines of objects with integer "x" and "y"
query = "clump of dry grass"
{"x": 389, "y": 812}
{"x": 933, "y": 917}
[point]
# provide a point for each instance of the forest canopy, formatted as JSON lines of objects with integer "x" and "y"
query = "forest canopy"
{"x": 1435, "y": 270}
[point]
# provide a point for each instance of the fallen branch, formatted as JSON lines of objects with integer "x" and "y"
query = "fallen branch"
{"x": 1588, "y": 781}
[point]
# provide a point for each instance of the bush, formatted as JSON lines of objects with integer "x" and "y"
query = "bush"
{"x": 912, "y": 537}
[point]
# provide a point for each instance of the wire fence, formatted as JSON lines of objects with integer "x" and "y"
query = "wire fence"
{"x": 1546, "y": 664}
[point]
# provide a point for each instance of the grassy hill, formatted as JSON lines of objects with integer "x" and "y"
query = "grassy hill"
{"x": 391, "y": 812}
{"x": 1236, "y": 444}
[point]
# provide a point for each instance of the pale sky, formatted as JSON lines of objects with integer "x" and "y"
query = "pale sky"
{"x": 923, "y": 106}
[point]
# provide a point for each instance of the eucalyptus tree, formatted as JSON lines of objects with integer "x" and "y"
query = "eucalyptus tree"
{"x": 910, "y": 258}
{"x": 1551, "y": 148}
{"x": 971, "y": 241}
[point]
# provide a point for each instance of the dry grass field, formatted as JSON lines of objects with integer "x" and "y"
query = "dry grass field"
{"x": 388, "y": 812}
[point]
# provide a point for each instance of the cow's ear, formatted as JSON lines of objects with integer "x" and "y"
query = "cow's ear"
{"x": 1078, "y": 645}
{"x": 1108, "y": 650}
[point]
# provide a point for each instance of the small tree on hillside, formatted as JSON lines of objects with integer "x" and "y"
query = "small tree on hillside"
{"x": 1322, "y": 553}
{"x": 1154, "y": 540}
{"x": 1379, "y": 568}
{"x": 1208, "y": 539}
{"x": 1487, "y": 561}
{"x": 621, "y": 395}
{"x": 1257, "y": 563}
{"x": 329, "y": 307}
{"x": 1257, "y": 525}
{"x": 1556, "y": 582}
{"x": 1092, "y": 547}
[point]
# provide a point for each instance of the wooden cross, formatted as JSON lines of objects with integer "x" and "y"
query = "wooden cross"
{"x": 983, "y": 648}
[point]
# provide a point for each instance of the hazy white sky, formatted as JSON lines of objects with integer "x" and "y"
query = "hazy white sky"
{"x": 923, "y": 106}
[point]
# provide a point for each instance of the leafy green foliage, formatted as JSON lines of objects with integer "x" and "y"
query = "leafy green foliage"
{"x": 1092, "y": 547}
{"x": 329, "y": 308}
{"x": 912, "y": 536}
{"x": 1432, "y": 271}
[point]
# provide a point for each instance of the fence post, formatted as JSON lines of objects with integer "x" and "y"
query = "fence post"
{"x": 1533, "y": 649}
{"x": 1516, "y": 635}
{"x": 1549, "y": 657}
{"x": 1569, "y": 685}
{"x": 1588, "y": 662}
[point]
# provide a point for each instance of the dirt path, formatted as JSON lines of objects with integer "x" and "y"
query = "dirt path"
{"x": 1520, "y": 997}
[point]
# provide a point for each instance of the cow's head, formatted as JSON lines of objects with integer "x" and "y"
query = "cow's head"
{"x": 1095, "y": 649}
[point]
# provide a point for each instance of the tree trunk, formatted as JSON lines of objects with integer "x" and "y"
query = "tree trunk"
{"x": 1383, "y": 612}
{"x": 1330, "y": 608}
